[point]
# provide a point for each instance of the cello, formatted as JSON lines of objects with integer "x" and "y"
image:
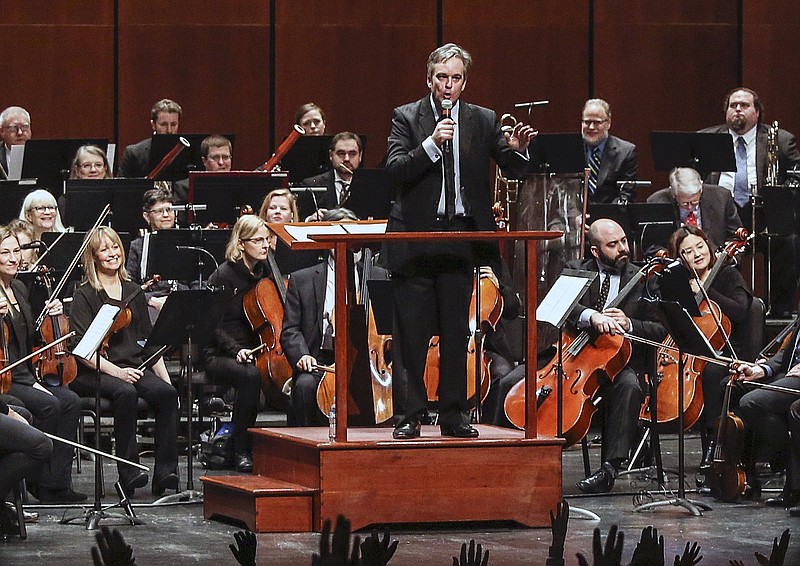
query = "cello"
{"x": 717, "y": 335}
{"x": 583, "y": 360}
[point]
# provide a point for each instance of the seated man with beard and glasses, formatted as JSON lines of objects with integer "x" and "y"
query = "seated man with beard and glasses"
{"x": 622, "y": 395}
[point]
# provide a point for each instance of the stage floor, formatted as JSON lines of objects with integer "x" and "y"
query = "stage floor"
{"x": 178, "y": 534}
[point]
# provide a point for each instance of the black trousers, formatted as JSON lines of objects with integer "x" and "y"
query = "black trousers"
{"x": 247, "y": 382}
{"x": 124, "y": 399}
{"x": 305, "y": 411}
{"x": 56, "y": 414}
{"x": 23, "y": 451}
{"x": 793, "y": 473}
{"x": 622, "y": 402}
{"x": 494, "y": 405}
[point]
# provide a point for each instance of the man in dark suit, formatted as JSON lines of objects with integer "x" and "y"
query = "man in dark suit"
{"x": 609, "y": 158}
{"x": 709, "y": 207}
{"x": 622, "y": 396}
{"x": 432, "y": 281}
{"x": 345, "y": 152}
{"x": 165, "y": 117}
{"x": 15, "y": 129}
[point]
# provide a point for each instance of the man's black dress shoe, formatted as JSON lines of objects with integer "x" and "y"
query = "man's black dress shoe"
{"x": 785, "y": 499}
{"x": 599, "y": 482}
{"x": 406, "y": 430}
{"x": 460, "y": 431}
{"x": 130, "y": 484}
{"x": 244, "y": 463}
{"x": 58, "y": 496}
{"x": 170, "y": 481}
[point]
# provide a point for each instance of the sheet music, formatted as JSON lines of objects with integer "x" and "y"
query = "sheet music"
{"x": 372, "y": 228}
{"x": 111, "y": 152}
{"x": 559, "y": 299}
{"x": 15, "y": 162}
{"x": 300, "y": 233}
{"x": 97, "y": 330}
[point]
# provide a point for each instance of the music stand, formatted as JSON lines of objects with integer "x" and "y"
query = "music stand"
{"x": 50, "y": 161}
{"x": 700, "y": 151}
{"x": 290, "y": 260}
{"x": 179, "y": 253}
{"x": 225, "y": 193}
{"x": 188, "y": 160}
{"x": 187, "y": 318}
{"x": 12, "y": 195}
{"x": 85, "y": 199}
{"x": 557, "y": 153}
{"x": 308, "y": 198}
{"x": 371, "y": 194}
{"x": 654, "y": 223}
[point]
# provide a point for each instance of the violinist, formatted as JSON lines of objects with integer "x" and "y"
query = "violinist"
{"x": 308, "y": 334}
{"x": 107, "y": 281}
{"x": 41, "y": 210}
{"x": 729, "y": 291}
{"x": 229, "y": 356}
{"x": 55, "y": 409}
{"x": 279, "y": 206}
{"x": 24, "y": 232}
{"x": 622, "y": 396}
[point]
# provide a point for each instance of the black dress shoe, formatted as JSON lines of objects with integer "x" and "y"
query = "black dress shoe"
{"x": 130, "y": 484}
{"x": 406, "y": 430}
{"x": 460, "y": 431}
{"x": 59, "y": 496}
{"x": 794, "y": 511}
{"x": 170, "y": 481}
{"x": 9, "y": 523}
{"x": 786, "y": 499}
{"x": 244, "y": 463}
{"x": 599, "y": 482}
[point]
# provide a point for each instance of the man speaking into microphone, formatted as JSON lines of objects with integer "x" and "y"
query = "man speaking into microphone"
{"x": 438, "y": 156}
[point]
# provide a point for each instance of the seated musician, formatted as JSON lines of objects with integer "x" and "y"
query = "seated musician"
{"x": 55, "y": 408}
{"x": 121, "y": 380}
{"x": 344, "y": 152}
{"x": 165, "y": 118}
{"x": 308, "y": 335}
{"x": 622, "y": 395}
{"x": 90, "y": 163}
{"x": 728, "y": 290}
{"x": 311, "y": 118}
{"x": 706, "y": 206}
{"x": 279, "y": 206}
{"x": 229, "y": 357}
{"x": 764, "y": 414}
{"x": 41, "y": 210}
{"x": 24, "y": 450}
{"x": 216, "y": 153}
{"x": 24, "y": 232}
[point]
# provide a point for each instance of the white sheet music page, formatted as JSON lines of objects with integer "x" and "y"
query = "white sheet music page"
{"x": 559, "y": 298}
{"x": 96, "y": 332}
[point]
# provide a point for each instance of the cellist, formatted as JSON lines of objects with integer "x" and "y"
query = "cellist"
{"x": 229, "y": 356}
{"x": 622, "y": 395}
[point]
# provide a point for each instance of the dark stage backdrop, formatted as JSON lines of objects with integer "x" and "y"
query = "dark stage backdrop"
{"x": 94, "y": 69}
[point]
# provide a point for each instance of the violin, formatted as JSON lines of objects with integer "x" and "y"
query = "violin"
{"x": 667, "y": 370}
{"x": 491, "y": 302}
{"x": 55, "y": 366}
{"x": 583, "y": 360}
{"x": 263, "y": 306}
{"x": 125, "y": 315}
{"x": 5, "y": 335}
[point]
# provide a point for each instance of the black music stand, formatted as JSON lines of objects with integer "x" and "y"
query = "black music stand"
{"x": 181, "y": 254}
{"x": 225, "y": 193}
{"x": 12, "y": 195}
{"x": 188, "y": 160}
{"x": 290, "y": 260}
{"x": 700, "y": 151}
{"x": 308, "y": 198}
{"x": 187, "y": 318}
{"x": 371, "y": 194}
{"x": 675, "y": 292}
{"x": 50, "y": 161}
{"x": 557, "y": 153}
{"x": 309, "y": 156}
{"x": 85, "y": 199}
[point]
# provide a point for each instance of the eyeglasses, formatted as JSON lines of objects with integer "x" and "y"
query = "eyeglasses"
{"x": 18, "y": 127}
{"x": 256, "y": 241}
{"x": 221, "y": 158}
{"x": 594, "y": 123}
{"x": 45, "y": 208}
{"x": 162, "y": 211}
{"x": 95, "y": 165}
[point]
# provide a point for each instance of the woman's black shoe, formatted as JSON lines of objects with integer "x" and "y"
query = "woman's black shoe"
{"x": 170, "y": 481}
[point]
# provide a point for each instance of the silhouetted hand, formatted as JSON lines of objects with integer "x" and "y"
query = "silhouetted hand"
{"x": 376, "y": 551}
{"x": 690, "y": 555}
{"x": 111, "y": 549}
{"x": 472, "y": 558}
{"x": 612, "y": 556}
{"x": 650, "y": 549}
{"x": 558, "y": 525}
{"x": 244, "y": 551}
{"x": 778, "y": 554}
{"x": 333, "y": 551}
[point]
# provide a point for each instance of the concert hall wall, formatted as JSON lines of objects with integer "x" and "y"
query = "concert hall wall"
{"x": 94, "y": 68}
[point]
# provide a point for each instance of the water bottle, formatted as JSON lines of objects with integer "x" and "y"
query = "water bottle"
{"x": 332, "y": 422}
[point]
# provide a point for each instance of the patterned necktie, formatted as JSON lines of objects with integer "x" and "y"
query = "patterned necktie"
{"x": 741, "y": 190}
{"x": 604, "y": 289}
{"x": 691, "y": 219}
{"x": 344, "y": 192}
{"x": 594, "y": 169}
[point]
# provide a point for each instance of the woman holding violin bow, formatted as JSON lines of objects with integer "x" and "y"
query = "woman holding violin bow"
{"x": 55, "y": 408}
{"x": 122, "y": 378}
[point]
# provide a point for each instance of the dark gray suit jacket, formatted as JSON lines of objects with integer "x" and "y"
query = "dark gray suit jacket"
{"x": 328, "y": 180}
{"x": 787, "y": 151}
{"x": 617, "y": 163}
{"x": 136, "y": 160}
{"x": 717, "y": 212}
{"x": 419, "y": 179}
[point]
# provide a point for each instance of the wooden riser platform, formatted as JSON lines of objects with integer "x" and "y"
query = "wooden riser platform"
{"x": 375, "y": 479}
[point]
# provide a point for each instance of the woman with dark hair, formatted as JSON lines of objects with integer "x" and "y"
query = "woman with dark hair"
{"x": 311, "y": 118}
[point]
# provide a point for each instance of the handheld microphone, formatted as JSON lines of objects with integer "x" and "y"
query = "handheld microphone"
{"x": 447, "y": 106}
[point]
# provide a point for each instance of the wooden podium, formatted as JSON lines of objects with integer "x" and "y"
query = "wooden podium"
{"x": 300, "y": 478}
